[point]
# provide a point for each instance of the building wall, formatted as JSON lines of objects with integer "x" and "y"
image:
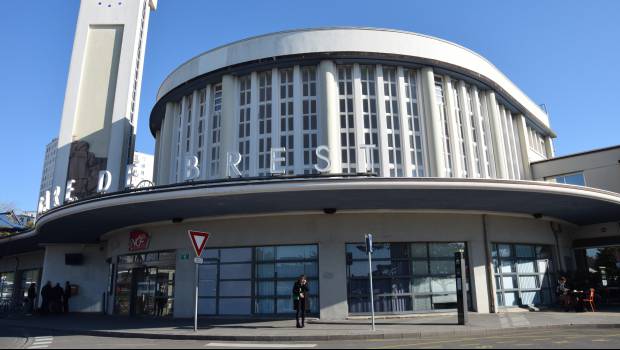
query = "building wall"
{"x": 91, "y": 277}
{"x": 331, "y": 233}
{"x": 28, "y": 261}
{"x": 49, "y": 163}
{"x": 601, "y": 169}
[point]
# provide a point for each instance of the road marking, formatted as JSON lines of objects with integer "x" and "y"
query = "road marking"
{"x": 261, "y": 346}
{"x": 41, "y": 342}
{"x": 600, "y": 340}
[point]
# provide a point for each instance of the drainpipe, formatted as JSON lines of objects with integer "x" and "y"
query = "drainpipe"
{"x": 490, "y": 291}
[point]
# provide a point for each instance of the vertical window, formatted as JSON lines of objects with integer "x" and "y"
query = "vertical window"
{"x": 458, "y": 114}
{"x": 441, "y": 106}
{"x": 264, "y": 123}
{"x": 392, "y": 120}
{"x": 414, "y": 127}
{"x": 524, "y": 274}
{"x": 309, "y": 118}
{"x": 287, "y": 119}
{"x": 485, "y": 134}
{"x": 245, "y": 99}
{"x": 202, "y": 100}
{"x": 347, "y": 120}
{"x": 188, "y": 127}
{"x": 216, "y": 127}
{"x": 475, "y": 139}
{"x": 369, "y": 114}
{"x": 178, "y": 137}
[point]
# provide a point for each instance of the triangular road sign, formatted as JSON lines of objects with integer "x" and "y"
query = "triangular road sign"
{"x": 199, "y": 240}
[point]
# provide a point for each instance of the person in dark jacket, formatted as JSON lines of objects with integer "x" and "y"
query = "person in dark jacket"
{"x": 300, "y": 295}
{"x": 46, "y": 294}
{"x": 65, "y": 297}
{"x": 57, "y": 294}
{"x": 31, "y": 295}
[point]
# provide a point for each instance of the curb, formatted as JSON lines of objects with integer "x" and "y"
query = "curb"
{"x": 303, "y": 338}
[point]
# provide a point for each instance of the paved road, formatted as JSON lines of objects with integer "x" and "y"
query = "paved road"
{"x": 542, "y": 339}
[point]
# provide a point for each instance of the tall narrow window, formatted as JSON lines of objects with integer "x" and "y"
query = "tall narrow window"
{"x": 369, "y": 114}
{"x": 178, "y": 136}
{"x": 188, "y": 126}
{"x": 264, "y": 122}
{"x": 392, "y": 119}
{"x": 202, "y": 100}
{"x": 441, "y": 106}
{"x": 347, "y": 120}
{"x": 414, "y": 127}
{"x": 485, "y": 133}
{"x": 216, "y": 127}
{"x": 245, "y": 97}
{"x": 309, "y": 118}
{"x": 477, "y": 171}
{"x": 287, "y": 119}
{"x": 458, "y": 114}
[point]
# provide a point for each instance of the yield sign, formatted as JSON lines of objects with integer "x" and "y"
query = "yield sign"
{"x": 199, "y": 240}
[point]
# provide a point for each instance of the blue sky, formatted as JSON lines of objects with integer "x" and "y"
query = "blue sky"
{"x": 562, "y": 53}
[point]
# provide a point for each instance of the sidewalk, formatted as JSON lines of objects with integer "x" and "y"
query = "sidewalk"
{"x": 284, "y": 330}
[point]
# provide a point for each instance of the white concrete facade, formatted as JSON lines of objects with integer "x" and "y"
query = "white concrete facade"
{"x": 103, "y": 87}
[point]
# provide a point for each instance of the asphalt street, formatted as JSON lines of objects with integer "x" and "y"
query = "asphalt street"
{"x": 582, "y": 338}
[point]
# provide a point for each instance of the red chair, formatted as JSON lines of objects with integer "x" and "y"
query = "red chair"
{"x": 589, "y": 300}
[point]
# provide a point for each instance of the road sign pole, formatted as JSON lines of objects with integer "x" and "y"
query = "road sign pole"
{"x": 372, "y": 299}
{"x": 199, "y": 241}
{"x": 369, "y": 250}
{"x": 196, "y": 298}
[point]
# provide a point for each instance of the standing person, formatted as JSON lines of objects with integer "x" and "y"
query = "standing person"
{"x": 31, "y": 295}
{"x": 46, "y": 294}
{"x": 300, "y": 294}
{"x": 58, "y": 293}
{"x": 65, "y": 298}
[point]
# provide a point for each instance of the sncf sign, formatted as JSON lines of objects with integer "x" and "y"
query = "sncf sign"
{"x": 138, "y": 240}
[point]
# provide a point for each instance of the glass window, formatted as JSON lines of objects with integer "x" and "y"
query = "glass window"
{"x": 347, "y": 119}
{"x": 407, "y": 277}
{"x": 260, "y": 279}
{"x": 523, "y": 274}
{"x": 576, "y": 179}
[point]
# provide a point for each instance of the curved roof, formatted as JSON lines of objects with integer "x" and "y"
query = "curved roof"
{"x": 334, "y": 40}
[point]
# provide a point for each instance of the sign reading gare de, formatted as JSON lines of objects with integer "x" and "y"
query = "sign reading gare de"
{"x": 193, "y": 171}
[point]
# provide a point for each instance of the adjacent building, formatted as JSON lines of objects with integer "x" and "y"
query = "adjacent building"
{"x": 49, "y": 164}
{"x": 289, "y": 147}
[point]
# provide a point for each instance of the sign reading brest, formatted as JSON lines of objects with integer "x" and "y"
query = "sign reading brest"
{"x": 193, "y": 172}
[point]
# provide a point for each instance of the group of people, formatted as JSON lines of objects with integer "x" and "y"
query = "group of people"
{"x": 569, "y": 298}
{"x": 54, "y": 299}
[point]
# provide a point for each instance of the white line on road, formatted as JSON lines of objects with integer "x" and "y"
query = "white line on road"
{"x": 41, "y": 342}
{"x": 261, "y": 346}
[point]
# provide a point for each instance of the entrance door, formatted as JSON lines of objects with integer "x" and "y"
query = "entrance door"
{"x": 153, "y": 291}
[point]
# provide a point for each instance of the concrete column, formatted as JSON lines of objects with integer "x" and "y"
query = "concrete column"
{"x": 358, "y": 107}
{"x": 382, "y": 123}
{"x": 524, "y": 143}
{"x": 458, "y": 168}
{"x": 404, "y": 123}
{"x": 549, "y": 147}
{"x": 184, "y": 285}
{"x": 156, "y": 159}
{"x": 333, "y": 279}
{"x": 468, "y": 134}
{"x": 328, "y": 82}
{"x": 433, "y": 123}
{"x": 299, "y": 122}
{"x": 478, "y": 275}
{"x": 229, "y": 121}
{"x": 165, "y": 155}
{"x": 501, "y": 166}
